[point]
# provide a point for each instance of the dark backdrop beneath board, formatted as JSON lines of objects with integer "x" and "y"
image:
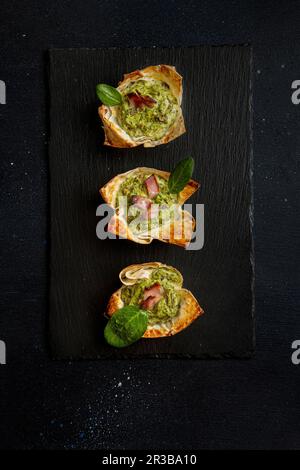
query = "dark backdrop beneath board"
{"x": 148, "y": 403}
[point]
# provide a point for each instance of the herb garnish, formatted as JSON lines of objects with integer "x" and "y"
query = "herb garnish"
{"x": 109, "y": 95}
{"x": 181, "y": 175}
{"x": 126, "y": 326}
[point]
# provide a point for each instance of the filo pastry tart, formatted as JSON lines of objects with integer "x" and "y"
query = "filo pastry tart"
{"x": 150, "y": 113}
{"x": 156, "y": 288}
{"x": 146, "y": 210}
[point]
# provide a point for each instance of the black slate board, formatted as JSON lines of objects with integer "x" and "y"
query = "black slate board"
{"x": 84, "y": 270}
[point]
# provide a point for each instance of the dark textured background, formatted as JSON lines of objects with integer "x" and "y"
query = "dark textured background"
{"x": 148, "y": 403}
{"x": 85, "y": 270}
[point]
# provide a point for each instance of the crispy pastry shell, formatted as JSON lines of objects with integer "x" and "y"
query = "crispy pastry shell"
{"x": 189, "y": 309}
{"x": 115, "y": 136}
{"x": 118, "y": 225}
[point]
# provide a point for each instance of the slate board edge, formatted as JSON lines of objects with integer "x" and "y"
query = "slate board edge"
{"x": 224, "y": 355}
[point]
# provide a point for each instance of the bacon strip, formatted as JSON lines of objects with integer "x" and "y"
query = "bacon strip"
{"x": 152, "y": 186}
{"x": 143, "y": 204}
{"x": 155, "y": 290}
{"x": 149, "y": 303}
{"x": 152, "y": 296}
{"x": 138, "y": 101}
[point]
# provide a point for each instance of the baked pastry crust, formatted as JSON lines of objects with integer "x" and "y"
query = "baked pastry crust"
{"x": 189, "y": 308}
{"x": 179, "y": 232}
{"x": 115, "y": 136}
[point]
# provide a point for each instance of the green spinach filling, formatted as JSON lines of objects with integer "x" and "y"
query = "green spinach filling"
{"x": 148, "y": 121}
{"x": 135, "y": 186}
{"x": 168, "y": 306}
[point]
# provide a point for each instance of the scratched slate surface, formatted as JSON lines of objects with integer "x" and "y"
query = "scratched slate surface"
{"x": 84, "y": 269}
{"x": 146, "y": 403}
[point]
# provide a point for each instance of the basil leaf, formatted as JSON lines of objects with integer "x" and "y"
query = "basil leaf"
{"x": 181, "y": 175}
{"x": 126, "y": 326}
{"x": 109, "y": 95}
